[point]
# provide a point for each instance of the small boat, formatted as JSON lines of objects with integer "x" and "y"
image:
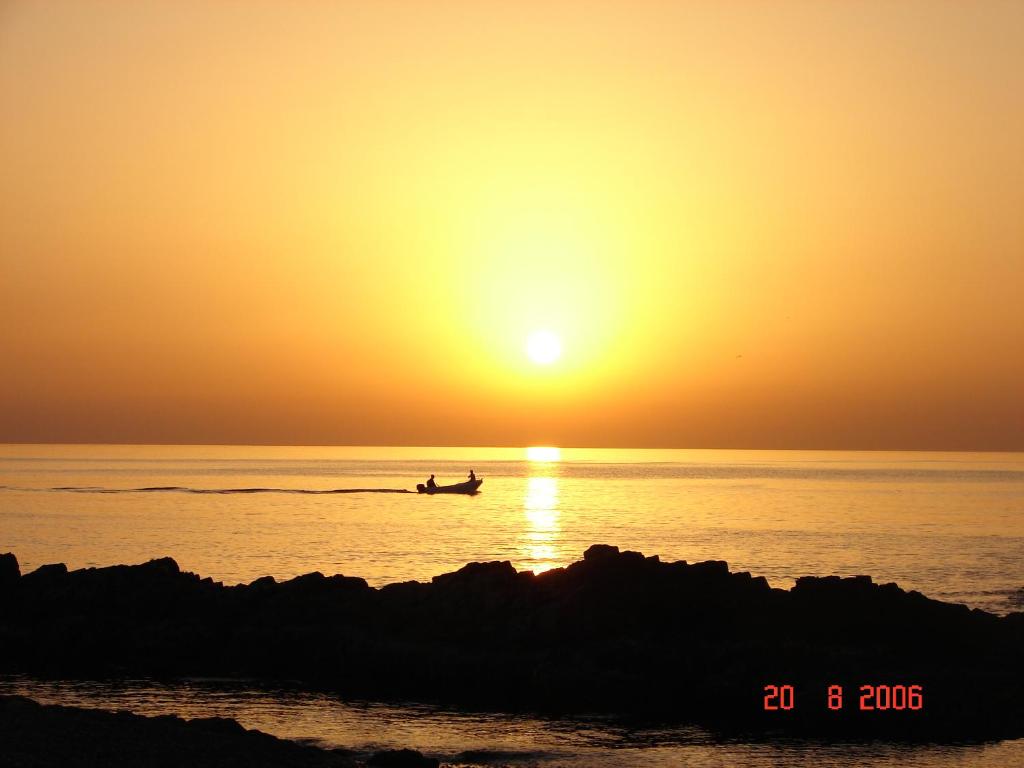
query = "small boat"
{"x": 470, "y": 486}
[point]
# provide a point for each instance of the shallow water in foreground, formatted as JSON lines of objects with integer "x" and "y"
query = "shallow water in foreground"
{"x": 464, "y": 738}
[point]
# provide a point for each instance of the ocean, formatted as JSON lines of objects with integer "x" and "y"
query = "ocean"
{"x": 950, "y": 525}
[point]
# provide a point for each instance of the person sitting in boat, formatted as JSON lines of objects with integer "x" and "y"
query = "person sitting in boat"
{"x": 472, "y": 476}
{"x": 431, "y": 483}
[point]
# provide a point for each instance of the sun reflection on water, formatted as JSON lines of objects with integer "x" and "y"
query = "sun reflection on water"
{"x": 542, "y": 454}
{"x": 542, "y": 528}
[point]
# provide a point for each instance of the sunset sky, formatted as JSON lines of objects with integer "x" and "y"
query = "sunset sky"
{"x": 739, "y": 224}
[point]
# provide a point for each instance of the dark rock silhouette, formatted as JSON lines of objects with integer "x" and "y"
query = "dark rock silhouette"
{"x": 616, "y": 632}
{"x": 41, "y": 736}
{"x": 46, "y": 574}
{"x": 401, "y": 758}
{"x": 10, "y": 572}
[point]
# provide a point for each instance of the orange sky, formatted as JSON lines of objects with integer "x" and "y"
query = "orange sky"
{"x": 750, "y": 224}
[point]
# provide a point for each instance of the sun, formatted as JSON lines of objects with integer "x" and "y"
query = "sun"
{"x": 543, "y": 347}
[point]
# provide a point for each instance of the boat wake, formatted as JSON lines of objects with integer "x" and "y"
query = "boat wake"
{"x": 181, "y": 489}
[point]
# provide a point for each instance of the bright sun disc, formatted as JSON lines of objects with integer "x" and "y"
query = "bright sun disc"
{"x": 543, "y": 347}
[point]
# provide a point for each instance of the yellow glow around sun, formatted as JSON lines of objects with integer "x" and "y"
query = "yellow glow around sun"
{"x": 543, "y": 347}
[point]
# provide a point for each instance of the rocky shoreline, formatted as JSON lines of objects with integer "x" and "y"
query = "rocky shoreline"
{"x": 615, "y": 633}
{"x": 36, "y": 735}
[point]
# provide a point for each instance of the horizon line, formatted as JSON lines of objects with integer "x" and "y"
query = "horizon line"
{"x": 509, "y": 446}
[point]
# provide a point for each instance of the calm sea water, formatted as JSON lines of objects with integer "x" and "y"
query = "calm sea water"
{"x": 948, "y": 524}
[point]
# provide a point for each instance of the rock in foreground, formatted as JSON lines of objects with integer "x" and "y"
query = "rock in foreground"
{"x": 41, "y": 736}
{"x": 616, "y": 632}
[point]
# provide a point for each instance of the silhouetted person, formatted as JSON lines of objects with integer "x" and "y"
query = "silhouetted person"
{"x": 431, "y": 483}
{"x": 472, "y": 476}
